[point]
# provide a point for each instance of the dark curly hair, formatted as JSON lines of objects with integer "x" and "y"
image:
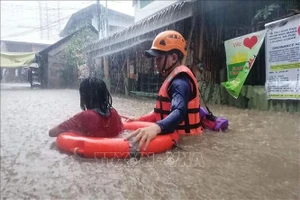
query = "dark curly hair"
{"x": 95, "y": 95}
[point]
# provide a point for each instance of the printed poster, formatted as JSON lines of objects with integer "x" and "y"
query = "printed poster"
{"x": 283, "y": 59}
{"x": 241, "y": 53}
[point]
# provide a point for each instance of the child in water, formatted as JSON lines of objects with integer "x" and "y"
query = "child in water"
{"x": 98, "y": 118}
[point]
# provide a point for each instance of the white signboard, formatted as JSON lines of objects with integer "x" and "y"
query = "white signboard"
{"x": 283, "y": 59}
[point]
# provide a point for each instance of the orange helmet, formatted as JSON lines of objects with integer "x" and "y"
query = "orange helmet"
{"x": 167, "y": 41}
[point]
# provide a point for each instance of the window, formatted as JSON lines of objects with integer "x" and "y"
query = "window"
{"x": 144, "y": 3}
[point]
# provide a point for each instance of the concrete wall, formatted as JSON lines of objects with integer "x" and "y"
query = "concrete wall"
{"x": 151, "y": 8}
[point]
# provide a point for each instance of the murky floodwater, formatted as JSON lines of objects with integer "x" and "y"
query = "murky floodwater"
{"x": 257, "y": 158}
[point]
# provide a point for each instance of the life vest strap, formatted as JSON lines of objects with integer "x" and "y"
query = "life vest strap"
{"x": 160, "y": 111}
{"x": 164, "y": 99}
{"x": 166, "y": 112}
{"x": 190, "y": 126}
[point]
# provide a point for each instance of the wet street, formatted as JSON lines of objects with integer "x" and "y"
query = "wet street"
{"x": 257, "y": 158}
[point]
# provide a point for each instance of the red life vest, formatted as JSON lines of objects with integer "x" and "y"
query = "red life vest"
{"x": 191, "y": 123}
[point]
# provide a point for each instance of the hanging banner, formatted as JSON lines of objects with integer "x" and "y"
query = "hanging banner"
{"x": 16, "y": 59}
{"x": 240, "y": 56}
{"x": 283, "y": 59}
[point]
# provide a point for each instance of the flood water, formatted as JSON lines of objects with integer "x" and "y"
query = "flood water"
{"x": 257, "y": 158}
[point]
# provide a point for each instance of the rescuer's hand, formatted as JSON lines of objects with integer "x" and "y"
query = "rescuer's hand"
{"x": 144, "y": 135}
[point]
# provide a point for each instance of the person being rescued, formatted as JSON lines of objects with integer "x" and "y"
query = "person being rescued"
{"x": 177, "y": 103}
{"x": 98, "y": 118}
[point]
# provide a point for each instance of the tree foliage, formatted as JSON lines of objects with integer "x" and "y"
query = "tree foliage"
{"x": 75, "y": 57}
{"x": 262, "y": 14}
{"x": 279, "y": 7}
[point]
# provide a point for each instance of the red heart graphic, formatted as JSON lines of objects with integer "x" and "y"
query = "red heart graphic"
{"x": 250, "y": 42}
{"x": 299, "y": 30}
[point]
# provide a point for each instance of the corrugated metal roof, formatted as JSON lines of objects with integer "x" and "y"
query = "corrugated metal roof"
{"x": 135, "y": 34}
{"x": 147, "y": 29}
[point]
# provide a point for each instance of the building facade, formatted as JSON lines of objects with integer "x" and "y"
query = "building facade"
{"x": 105, "y": 21}
{"x": 146, "y": 8}
{"x": 26, "y": 73}
{"x": 205, "y": 25}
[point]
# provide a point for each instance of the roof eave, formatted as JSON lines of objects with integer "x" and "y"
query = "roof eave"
{"x": 181, "y": 10}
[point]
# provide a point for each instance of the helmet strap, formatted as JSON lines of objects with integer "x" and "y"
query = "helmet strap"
{"x": 164, "y": 70}
{"x": 164, "y": 66}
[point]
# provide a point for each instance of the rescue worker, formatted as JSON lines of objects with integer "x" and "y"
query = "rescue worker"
{"x": 177, "y": 103}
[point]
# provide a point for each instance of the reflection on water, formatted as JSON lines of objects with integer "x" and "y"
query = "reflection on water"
{"x": 257, "y": 158}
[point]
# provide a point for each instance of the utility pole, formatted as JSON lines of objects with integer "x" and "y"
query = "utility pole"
{"x": 106, "y": 19}
{"x": 99, "y": 20}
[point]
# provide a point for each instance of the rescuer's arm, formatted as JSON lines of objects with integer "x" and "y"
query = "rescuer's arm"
{"x": 179, "y": 92}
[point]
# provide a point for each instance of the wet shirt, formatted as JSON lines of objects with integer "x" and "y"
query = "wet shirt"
{"x": 179, "y": 91}
{"x": 91, "y": 123}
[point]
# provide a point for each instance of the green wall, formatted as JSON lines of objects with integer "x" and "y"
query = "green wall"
{"x": 252, "y": 97}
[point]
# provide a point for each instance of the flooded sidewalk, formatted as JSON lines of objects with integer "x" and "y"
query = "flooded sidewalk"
{"x": 257, "y": 158}
{"x": 9, "y": 86}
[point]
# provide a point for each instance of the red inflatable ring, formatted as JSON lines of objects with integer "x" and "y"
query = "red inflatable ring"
{"x": 91, "y": 147}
